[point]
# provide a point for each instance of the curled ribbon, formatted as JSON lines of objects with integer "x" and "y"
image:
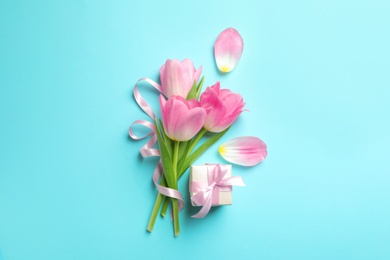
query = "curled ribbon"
{"x": 141, "y": 101}
{"x": 147, "y": 150}
{"x": 205, "y": 195}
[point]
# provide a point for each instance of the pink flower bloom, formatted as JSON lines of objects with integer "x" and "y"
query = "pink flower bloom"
{"x": 222, "y": 107}
{"x": 182, "y": 119}
{"x": 177, "y": 77}
{"x": 245, "y": 150}
{"x": 228, "y": 49}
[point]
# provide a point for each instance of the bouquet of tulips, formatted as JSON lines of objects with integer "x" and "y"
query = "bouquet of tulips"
{"x": 187, "y": 114}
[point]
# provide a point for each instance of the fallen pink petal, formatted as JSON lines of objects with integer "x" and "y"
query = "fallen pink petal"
{"x": 228, "y": 49}
{"x": 245, "y": 150}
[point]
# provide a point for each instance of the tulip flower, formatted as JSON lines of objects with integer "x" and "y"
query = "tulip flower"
{"x": 245, "y": 150}
{"x": 182, "y": 119}
{"x": 177, "y": 77}
{"x": 228, "y": 49}
{"x": 222, "y": 106}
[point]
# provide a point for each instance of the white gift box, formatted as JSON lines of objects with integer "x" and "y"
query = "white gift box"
{"x": 201, "y": 179}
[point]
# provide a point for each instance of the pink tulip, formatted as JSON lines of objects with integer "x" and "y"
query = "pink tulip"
{"x": 177, "y": 77}
{"x": 182, "y": 119}
{"x": 245, "y": 150}
{"x": 228, "y": 49}
{"x": 222, "y": 107}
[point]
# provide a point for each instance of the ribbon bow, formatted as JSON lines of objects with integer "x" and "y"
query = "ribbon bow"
{"x": 206, "y": 195}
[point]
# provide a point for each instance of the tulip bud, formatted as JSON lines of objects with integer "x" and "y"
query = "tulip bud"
{"x": 177, "y": 77}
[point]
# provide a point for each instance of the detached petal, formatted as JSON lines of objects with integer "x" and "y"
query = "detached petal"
{"x": 245, "y": 150}
{"x": 228, "y": 49}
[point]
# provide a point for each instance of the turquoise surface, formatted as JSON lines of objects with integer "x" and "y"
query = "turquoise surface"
{"x": 315, "y": 78}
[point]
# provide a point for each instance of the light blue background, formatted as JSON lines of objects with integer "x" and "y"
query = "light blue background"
{"x": 314, "y": 75}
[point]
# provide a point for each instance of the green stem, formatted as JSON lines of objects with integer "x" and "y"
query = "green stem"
{"x": 175, "y": 203}
{"x": 164, "y": 207}
{"x": 175, "y": 208}
{"x": 175, "y": 156}
{"x": 156, "y": 207}
{"x": 153, "y": 216}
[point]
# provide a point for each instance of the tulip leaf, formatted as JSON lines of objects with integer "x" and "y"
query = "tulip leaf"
{"x": 166, "y": 159}
{"x": 167, "y": 140}
{"x": 199, "y": 88}
{"x": 189, "y": 160}
{"x": 183, "y": 151}
{"x": 193, "y": 91}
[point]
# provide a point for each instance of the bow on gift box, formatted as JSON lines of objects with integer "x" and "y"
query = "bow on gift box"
{"x": 205, "y": 195}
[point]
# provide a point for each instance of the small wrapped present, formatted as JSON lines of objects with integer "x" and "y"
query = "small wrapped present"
{"x": 211, "y": 185}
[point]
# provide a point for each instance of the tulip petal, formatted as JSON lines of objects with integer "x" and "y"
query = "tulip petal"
{"x": 182, "y": 119}
{"x": 222, "y": 106}
{"x": 189, "y": 124}
{"x": 245, "y": 150}
{"x": 177, "y": 77}
{"x": 228, "y": 49}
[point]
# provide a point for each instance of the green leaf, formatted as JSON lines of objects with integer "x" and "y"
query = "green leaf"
{"x": 193, "y": 91}
{"x": 199, "y": 88}
{"x": 201, "y": 150}
{"x": 191, "y": 145}
{"x": 167, "y": 140}
{"x": 165, "y": 157}
{"x": 183, "y": 150}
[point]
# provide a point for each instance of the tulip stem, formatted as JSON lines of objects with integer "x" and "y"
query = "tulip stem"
{"x": 175, "y": 156}
{"x": 153, "y": 216}
{"x": 157, "y": 206}
{"x": 175, "y": 206}
{"x": 164, "y": 207}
